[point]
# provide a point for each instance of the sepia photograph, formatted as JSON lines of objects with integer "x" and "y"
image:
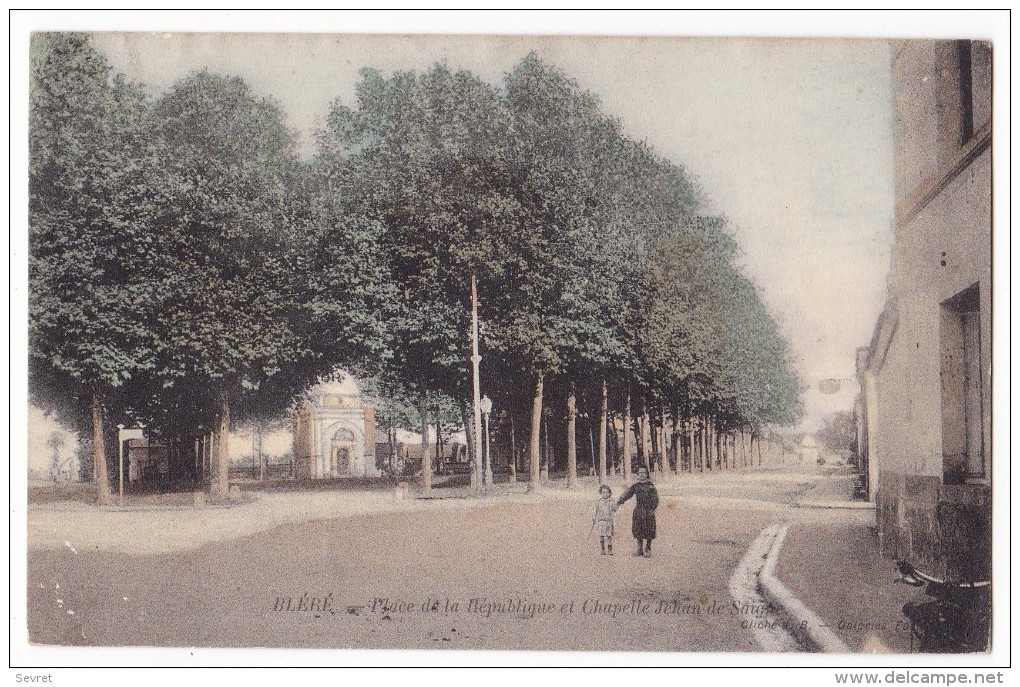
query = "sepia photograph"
{"x": 659, "y": 345}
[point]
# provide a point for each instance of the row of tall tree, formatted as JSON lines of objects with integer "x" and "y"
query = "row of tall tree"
{"x": 188, "y": 268}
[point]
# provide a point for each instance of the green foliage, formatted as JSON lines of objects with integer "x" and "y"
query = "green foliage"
{"x": 181, "y": 253}
{"x": 225, "y": 308}
{"x": 565, "y": 155}
{"x": 839, "y": 433}
{"x": 424, "y": 158}
{"x": 94, "y": 192}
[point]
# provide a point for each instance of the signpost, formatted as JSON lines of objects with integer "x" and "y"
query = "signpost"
{"x": 120, "y": 462}
{"x": 122, "y": 436}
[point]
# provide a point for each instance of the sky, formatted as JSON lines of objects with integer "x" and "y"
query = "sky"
{"x": 790, "y": 139}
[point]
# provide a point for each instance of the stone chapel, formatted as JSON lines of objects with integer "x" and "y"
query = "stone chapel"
{"x": 334, "y": 433}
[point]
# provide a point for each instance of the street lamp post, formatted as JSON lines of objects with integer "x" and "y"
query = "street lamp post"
{"x": 486, "y": 406}
{"x": 120, "y": 462}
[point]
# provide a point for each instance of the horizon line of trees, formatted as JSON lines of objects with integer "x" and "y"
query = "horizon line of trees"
{"x": 188, "y": 270}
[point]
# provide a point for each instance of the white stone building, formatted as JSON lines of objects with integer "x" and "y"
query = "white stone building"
{"x": 926, "y": 376}
{"x": 334, "y": 433}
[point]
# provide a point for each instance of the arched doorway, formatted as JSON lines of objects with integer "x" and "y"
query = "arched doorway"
{"x": 341, "y": 450}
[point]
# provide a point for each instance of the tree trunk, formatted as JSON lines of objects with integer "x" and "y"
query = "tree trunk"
{"x": 713, "y": 457}
{"x": 535, "y": 447}
{"x": 691, "y": 448}
{"x": 571, "y": 434}
{"x": 696, "y": 442}
{"x": 707, "y": 449}
{"x": 99, "y": 471}
{"x": 603, "y": 422}
{"x": 639, "y": 438}
{"x": 439, "y": 445}
{"x": 654, "y": 440}
{"x": 718, "y": 446}
{"x": 208, "y": 443}
{"x": 626, "y": 438}
{"x": 702, "y": 439}
{"x": 663, "y": 457}
{"x": 648, "y": 436}
{"x": 675, "y": 442}
{"x": 221, "y": 480}
{"x": 467, "y": 417}
{"x": 654, "y": 456}
{"x": 549, "y": 462}
{"x": 426, "y": 455}
{"x": 613, "y": 455}
{"x": 512, "y": 463}
{"x": 390, "y": 441}
{"x": 261, "y": 455}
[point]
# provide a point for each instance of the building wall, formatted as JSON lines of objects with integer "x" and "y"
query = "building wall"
{"x": 956, "y": 223}
{"x": 929, "y": 510}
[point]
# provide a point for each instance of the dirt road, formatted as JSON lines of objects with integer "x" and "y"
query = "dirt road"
{"x": 556, "y": 591}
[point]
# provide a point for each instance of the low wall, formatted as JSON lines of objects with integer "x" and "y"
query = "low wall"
{"x": 944, "y": 530}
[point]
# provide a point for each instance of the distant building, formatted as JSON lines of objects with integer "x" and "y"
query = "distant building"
{"x": 52, "y": 449}
{"x": 334, "y": 433}
{"x": 808, "y": 449}
{"x": 404, "y": 455}
{"x": 925, "y": 377}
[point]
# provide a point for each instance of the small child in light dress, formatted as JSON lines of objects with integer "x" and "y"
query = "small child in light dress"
{"x": 602, "y": 518}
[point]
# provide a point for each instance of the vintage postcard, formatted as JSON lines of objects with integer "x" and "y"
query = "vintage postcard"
{"x": 660, "y": 344}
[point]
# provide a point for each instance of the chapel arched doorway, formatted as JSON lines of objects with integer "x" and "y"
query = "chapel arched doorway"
{"x": 342, "y": 449}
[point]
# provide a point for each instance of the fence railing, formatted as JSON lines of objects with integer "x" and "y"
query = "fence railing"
{"x": 273, "y": 471}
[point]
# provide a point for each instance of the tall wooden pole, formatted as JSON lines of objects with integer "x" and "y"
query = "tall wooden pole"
{"x": 476, "y": 383}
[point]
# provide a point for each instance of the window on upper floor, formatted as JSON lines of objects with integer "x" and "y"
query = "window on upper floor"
{"x": 974, "y": 61}
{"x": 981, "y": 83}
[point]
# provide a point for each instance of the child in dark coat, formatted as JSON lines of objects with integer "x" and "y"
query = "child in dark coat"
{"x": 643, "y": 523}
